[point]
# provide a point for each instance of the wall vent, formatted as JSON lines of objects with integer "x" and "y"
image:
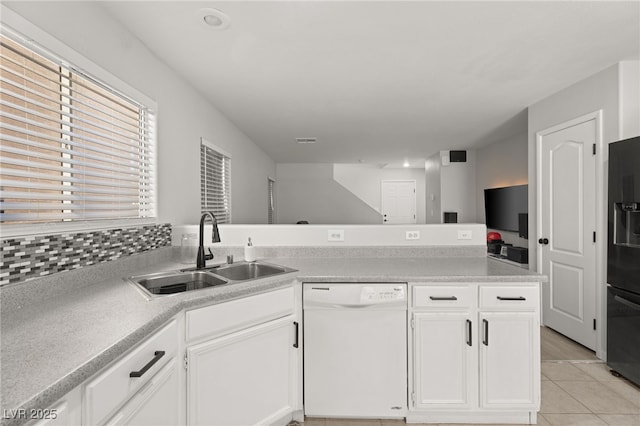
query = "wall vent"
{"x": 306, "y": 140}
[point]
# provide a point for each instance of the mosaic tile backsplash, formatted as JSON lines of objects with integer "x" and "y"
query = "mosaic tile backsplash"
{"x": 26, "y": 258}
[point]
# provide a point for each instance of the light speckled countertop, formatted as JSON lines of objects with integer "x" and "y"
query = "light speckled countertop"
{"x": 52, "y": 345}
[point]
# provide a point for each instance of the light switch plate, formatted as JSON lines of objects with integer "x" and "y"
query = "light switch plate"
{"x": 335, "y": 235}
{"x": 465, "y": 234}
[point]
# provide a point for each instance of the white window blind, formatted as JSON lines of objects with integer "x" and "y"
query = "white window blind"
{"x": 215, "y": 181}
{"x": 271, "y": 205}
{"x": 72, "y": 149}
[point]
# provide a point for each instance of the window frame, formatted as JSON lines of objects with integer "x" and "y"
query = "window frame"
{"x": 213, "y": 147}
{"x": 24, "y": 32}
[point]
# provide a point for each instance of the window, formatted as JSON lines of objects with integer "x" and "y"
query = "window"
{"x": 271, "y": 205}
{"x": 72, "y": 148}
{"x": 215, "y": 181}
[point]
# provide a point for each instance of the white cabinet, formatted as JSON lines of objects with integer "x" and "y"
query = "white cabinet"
{"x": 244, "y": 378}
{"x": 445, "y": 360}
{"x": 156, "y": 404}
{"x": 248, "y": 376}
{"x": 124, "y": 390}
{"x": 508, "y": 373}
{"x": 510, "y": 346}
{"x": 475, "y": 352}
{"x": 233, "y": 363}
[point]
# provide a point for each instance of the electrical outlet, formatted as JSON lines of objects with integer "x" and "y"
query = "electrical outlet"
{"x": 412, "y": 235}
{"x": 335, "y": 235}
{"x": 465, "y": 235}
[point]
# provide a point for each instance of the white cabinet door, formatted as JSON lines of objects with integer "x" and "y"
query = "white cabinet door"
{"x": 444, "y": 360}
{"x": 245, "y": 378}
{"x": 157, "y": 403}
{"x": 509, "y": 360}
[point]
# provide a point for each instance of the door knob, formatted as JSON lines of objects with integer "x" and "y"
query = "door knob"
{"x": 543, "y": 241}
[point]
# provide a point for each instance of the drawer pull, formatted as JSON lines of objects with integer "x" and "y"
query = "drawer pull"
{"x": 443, "y": 298}
{"x": 511, "y": 298}
{"x": 469, "y": 333}
{"x": 156, "y": 357}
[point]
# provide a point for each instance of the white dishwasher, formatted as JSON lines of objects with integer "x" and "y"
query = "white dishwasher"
{"x": 355, "y": 349}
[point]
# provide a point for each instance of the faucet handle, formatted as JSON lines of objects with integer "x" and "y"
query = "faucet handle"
{"x": 208, "y": 256}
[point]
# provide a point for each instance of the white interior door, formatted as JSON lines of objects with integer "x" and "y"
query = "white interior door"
{"x": 566, "y": 228}
{"x": 398, "y": 201}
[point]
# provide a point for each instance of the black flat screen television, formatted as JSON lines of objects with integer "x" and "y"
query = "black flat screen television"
{"x": 503, "y": 205}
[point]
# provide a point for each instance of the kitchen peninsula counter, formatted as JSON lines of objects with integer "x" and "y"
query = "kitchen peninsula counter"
{"x": 52, "y": 344}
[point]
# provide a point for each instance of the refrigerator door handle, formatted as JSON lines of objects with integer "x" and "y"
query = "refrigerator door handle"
{"x": 627, "y": 302}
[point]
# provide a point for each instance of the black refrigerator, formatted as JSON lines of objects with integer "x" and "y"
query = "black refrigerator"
{"x": 623, "y": 259}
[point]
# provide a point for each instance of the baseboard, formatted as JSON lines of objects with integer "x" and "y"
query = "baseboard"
{"x": 519, "y": 417}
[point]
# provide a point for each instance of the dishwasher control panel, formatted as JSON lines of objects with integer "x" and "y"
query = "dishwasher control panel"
{"x": 373, "y": 294}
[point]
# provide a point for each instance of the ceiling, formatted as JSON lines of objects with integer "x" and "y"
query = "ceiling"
{"x": 383, "y": 81}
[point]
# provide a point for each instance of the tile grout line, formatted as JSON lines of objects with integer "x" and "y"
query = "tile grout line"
{"x": 572, "y": 397}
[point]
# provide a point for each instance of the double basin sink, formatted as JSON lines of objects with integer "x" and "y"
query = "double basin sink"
{"x": 173, "y": 282}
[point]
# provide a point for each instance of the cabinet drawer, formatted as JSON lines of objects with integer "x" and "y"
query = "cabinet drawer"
{"x": 509, "y": 297}
{"x": 158, "y": 403}
{"x": 441, "y": 296}
{"x": 237, "y": 314}
{"x": 114, "y": 385}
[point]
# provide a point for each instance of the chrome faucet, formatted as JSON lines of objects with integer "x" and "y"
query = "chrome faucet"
{"x": 201, "y": 261}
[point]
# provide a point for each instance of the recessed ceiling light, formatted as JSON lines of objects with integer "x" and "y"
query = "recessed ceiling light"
{"x": 405, "y": 164}
{"x": 213, "y": 19}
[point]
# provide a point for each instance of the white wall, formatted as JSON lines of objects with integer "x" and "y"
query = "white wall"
{"x": 458, "y": 192}
{"x": 184, "y": 116}
{"x": 307, "y": 191}
{"x": 354, "y": 235}
{"x": 597, "y": 92}
{"x": 450, "y": 188}
{"x": 502, "y": 163}
{"x": 432, "y": 189}
{"x": 364, "y": 181}
{"x": 620, "y": 119}
{"x": 629, "y": 99}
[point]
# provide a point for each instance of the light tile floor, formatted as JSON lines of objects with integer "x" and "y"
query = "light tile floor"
{"x": 577, "y": 390}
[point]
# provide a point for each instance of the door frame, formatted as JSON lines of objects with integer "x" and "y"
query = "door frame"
{"x": 600, "y": 219}
{"x": 415, "y": 195}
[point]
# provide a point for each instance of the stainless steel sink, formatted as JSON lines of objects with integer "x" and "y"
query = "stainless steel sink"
{"x": 249, "y": 270}
{"x": 173, "y": 282}
{"x": 164, "y": 283}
